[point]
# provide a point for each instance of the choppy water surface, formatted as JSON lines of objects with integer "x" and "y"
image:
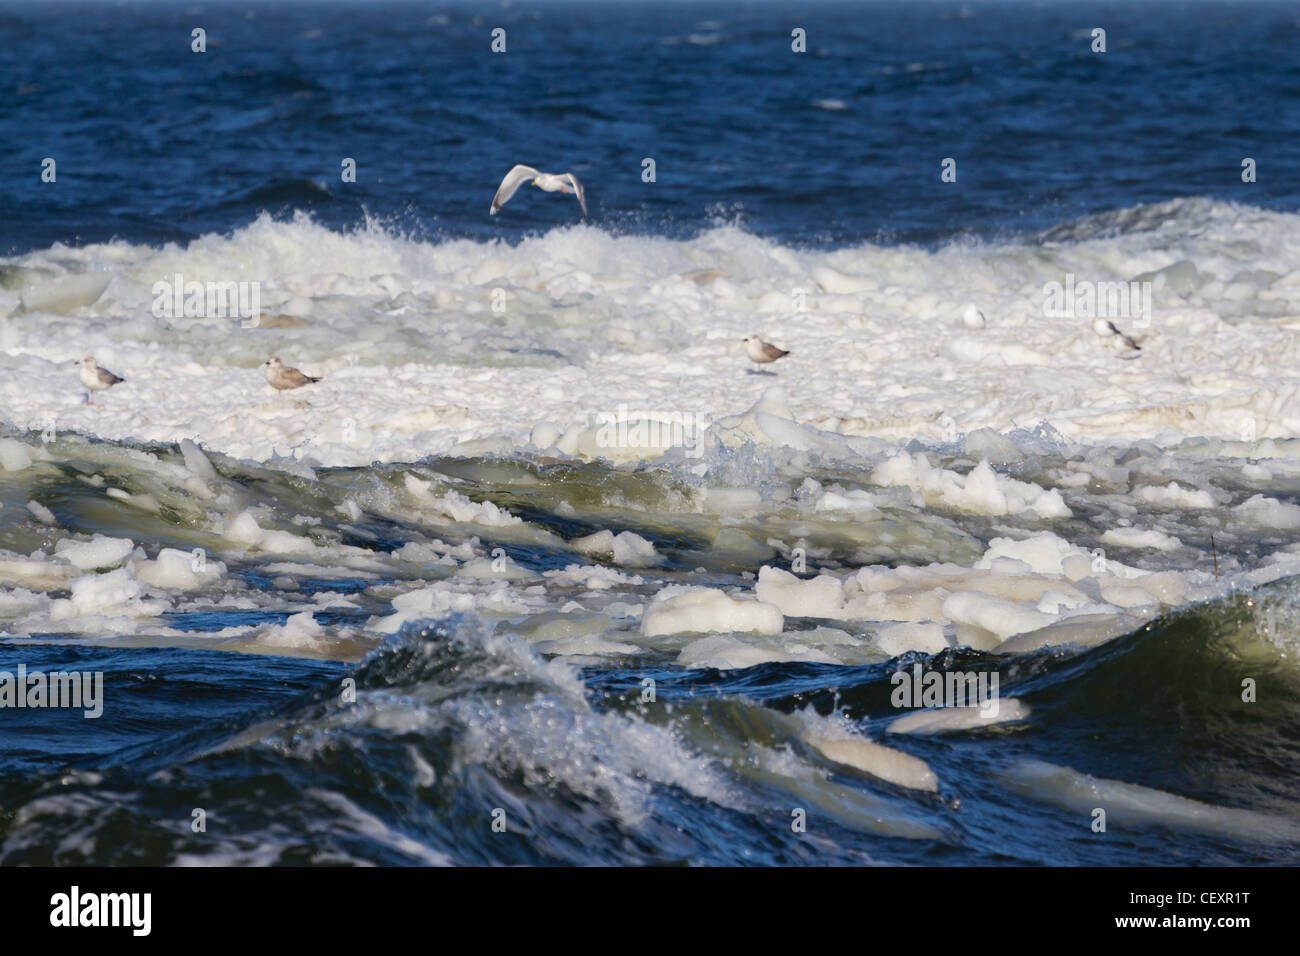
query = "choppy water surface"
{"x": 528, "y": 692}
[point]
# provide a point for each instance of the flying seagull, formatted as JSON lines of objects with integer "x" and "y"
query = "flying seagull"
{"x": 95, "y": 378}
{"x": 1106, "y": 328}
{"x": 763, "y": 352}
{"x": 549, "y": 182}
{"x": 281, "y": 377}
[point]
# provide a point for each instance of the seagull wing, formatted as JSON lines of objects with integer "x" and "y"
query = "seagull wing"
{"x": 108, "y": 378}
{"x": 773, "y": 353}
{"x": 518, "y": 175}
{"x": 1127, "y": 340}
{"x": 577, "y": 188}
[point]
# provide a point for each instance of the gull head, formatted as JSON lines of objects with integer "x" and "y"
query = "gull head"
{"x": 88, "y": 362}
{"x": 272, "y": 363}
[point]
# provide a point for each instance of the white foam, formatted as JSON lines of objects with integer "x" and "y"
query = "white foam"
{"x": 605, "y": 321}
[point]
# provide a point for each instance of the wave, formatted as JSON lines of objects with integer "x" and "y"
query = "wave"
{"x": 451, "y": 744}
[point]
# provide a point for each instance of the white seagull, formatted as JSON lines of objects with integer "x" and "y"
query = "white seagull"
{"x": 763, "y": 352}
{"x": 548, "y": 182}
{"x": 973, "y": 317}
{"x": 95, "y": 378}
{"x": 281, "y": 377}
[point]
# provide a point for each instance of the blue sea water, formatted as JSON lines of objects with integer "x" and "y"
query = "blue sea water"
{"x": 841, "y": 144}
{"x": 837, "y": 146}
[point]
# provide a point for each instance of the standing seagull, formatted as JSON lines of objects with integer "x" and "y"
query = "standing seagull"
{"x": 973, "y": 317}
{"x": 281, "y": 377}
{"x": 763, "y": 352}
{"x": 549, "y": 182}
{"x": 95, "y": 378}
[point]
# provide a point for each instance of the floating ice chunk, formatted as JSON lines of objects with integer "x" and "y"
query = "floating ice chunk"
{"x": 1009, "y": 566}
{"x": 1136, "y": 538}
{"x": 14, "y": 455}
{"x": 115, "y": 594}
{"x": 143, "y": 501}
{"x": 493, "y": 569}
{"x": 591, "y": 577}
{"x": 983, "y": 491}
{"x": 1086, "y": 629}
{"x": 545, "y": 435}
{"x": 996, "y": 449}
{"x": 1270, "y": 513}
{"x": 1127, "y": 595}
{"x": 678, "y": 610}
{"x": 995, "y": 615}
{"x": 179, "y": 570}
{"x": 197, "y": 462}
{"x": 456, "y": 507}
{"x": 771, "y": 422}
{"x": 942, "y": 720}
{"x": 843, "y": 746}
{"x": 41, "y": 513}
{"x": 244, "y": 529}
{"x": 1045, "y": 553}
{"x": 1132, "y": 805}
{"x": 417, "y": 552}
{"x": 586, "y": 644}
{"x": 199, "y": 467}
{"x": 924, "y": 636}
{"x": 626, "y": 548}
{"x": 20, "y": 602}
{"x": 739, "y": 548}
{"x": 444, "y": 598}
{"x": 299, "y": 631}
{"x": 1167, "y": 587}
{"x": 822, "y": 596}
{"x": 1053, "y": 601}
{"x": 98, "y": 553}
{"x": 1174, "y": 495}
{"x": 861, "y": 503}
{"x": 725, "y": 652}
{"x": 35, "y": 573}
